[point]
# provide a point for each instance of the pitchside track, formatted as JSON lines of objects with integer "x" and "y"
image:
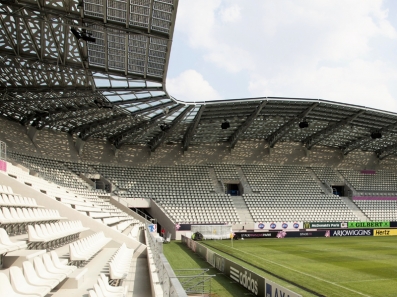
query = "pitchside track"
{"x": 340, "y": 267}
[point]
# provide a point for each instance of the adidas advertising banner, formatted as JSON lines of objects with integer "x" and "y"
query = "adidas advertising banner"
{"x": 248, "y": 279}
{"x": 385, "y": 232}
{"x": 279, "y": 226}
{"x": 352, "y": 232}
{"x": 324, "y": 225}
{"x": 355, "y": 225}
{"x": 253, "y": 282}
{"x": 274, "y": 290}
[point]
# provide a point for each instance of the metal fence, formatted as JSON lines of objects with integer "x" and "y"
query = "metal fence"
{"x": 196, "y": 282}
{"x": 169, "y": 282}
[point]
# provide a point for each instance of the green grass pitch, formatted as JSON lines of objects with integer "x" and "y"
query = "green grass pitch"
{"x": 340, "y": 267}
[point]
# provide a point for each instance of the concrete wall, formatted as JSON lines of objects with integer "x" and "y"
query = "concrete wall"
{"x": 156, "y": 212}
{"x": 14, "y": 135}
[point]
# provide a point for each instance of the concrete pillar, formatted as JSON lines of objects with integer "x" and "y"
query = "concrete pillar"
{"x": 116, "y": 152}
{"x": 32, "y": 133}
{"x": 307, "y": 152}
{"x": 79, "y": 145}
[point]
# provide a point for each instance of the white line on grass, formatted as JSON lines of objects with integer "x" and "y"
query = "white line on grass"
{"x": 304, "y": 273}
{"x": 367, "y": 280}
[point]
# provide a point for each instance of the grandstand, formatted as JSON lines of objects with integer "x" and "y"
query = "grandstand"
{"x": 93, "y": 151}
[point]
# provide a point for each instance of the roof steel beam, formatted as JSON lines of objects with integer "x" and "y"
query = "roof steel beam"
{"x": 312, "y": 140}
{"x": 70, "y": 18}
{"x": 244, "y": 126}
{"x": 160, "y": 138}
{"x": 142, "y": 100}
{"x": 96, "y": 123}
{"x": 120, "y": 138}
{"x": 151, "y": 108}
{"x": 386, "y": 151}
{"x": 42, "y": 89}
{"x": 281, "y": 131}
{"x": 359, "y": 142}
{"x": 355, "y": 144}
{"x": 131, "y": 90}
{"x": 110, "y": 125}
{"x": 46, "y": 120}
{"x": 192, "y": 128}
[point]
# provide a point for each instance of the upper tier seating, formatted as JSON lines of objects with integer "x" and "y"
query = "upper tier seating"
{"x": 289, "y": 193}
{"x": 378, "y": 210}
{"x": 302, "y": 208}
{"x": 328, "y": 175}
{"x": 185, "y": 193}
{"x": 226, "y": 172}
{"x": 276, "y": 179}
{"x": 382, "y": 180}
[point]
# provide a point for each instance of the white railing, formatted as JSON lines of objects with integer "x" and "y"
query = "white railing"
{"x": 166, "y": 276}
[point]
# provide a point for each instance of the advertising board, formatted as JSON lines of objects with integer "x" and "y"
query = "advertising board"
{"x": 274, "y": 290}
{"x": 279, "y": 226}
{"x": 324, "y": 225}
{"x": 248, "y": 279}
{"x": 385, "y": 232}
{"x": 355, "y": 225}
{"x": 352, "y": 232}
{"x": 281, "y": 234}
{"x": 253, "y": 282}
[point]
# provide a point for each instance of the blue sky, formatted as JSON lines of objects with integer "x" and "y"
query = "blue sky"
{"x": 335, "y": 50}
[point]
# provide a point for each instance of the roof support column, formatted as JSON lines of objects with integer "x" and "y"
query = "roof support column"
{"x": 79, "y": 145}
{"x": 32, "y": 134}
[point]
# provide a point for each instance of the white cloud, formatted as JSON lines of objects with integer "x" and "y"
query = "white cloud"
{"x": 231, "y": 14}
{"x": 191, "y": 86}
{"x": 360, "y": 82}
{"x": 331, "y": 49}
{"x": 204, "y": 30}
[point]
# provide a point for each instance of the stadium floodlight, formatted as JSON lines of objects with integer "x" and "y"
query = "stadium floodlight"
{"x": 303, "y": 124}
{"x": 376, "y": 135}
{"x": 88, "y": 37}
{"x": 225, "y": 125}
{"x": 164, "y": 127}
{"x": 82, "y": 35}
{"x": 75, "y": 33}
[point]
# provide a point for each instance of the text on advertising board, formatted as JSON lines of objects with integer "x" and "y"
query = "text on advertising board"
{"x": 369, "y": 224}
{"x": 352, "y": 232}
{"x": 385, "y": 232}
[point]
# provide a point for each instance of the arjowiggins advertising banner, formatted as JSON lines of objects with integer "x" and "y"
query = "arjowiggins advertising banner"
{"x": 385, "y": 232}
{"x": 352, "y": 232}
{"x": 355, "y": 225}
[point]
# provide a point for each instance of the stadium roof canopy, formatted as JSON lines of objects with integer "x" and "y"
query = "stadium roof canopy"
{"x": 97, "y": 68}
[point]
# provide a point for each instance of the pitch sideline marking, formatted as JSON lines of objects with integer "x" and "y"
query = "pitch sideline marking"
{"x": 304, "y": 273}
{"x": 367, "y": 280}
